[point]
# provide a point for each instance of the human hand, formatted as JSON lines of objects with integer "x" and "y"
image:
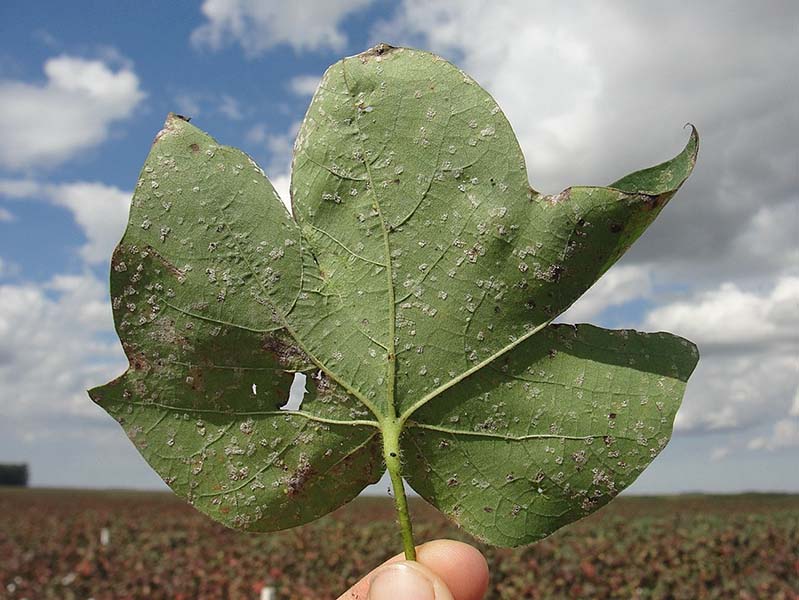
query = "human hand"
{"x": 445, "y": 570}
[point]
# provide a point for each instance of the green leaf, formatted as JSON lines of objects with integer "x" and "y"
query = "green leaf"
{"x": 550, "y": 431}
{"x": 414, "y": 285}
{"x": 207, "y": 269}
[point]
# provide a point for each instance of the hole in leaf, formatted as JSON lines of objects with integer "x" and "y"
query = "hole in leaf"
{"x": 296, "y": 394}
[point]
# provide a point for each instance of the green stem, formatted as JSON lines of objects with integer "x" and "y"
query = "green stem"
{"x": 391, "y": 454}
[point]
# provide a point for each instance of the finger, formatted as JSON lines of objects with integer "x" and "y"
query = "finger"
{"x": 407, "y": 580}
{"x": 461, "y": 567}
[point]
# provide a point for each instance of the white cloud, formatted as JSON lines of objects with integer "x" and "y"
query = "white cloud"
{"x": 719, "y": 453}
{"x": 750, "y": 353}
{"x": 100, "y": 210}
{"x": 46, "y": 124}
{"x": 738, "y": 390}
{"x": 256, "y": 134}
{"x": 193, "y": 104}
{"x": 784, "y": 435}
{"x": 188, "y": 105}
{"x": 19, "y": 188}
{"x": 6, "y": 216}
{"x": 730, "y": 316}
{"x": 56, "y": 341}
{"x": 621, "y": 284}
{"x": 280, "y": 146}
{"x": 51, "y": 347}
{"x": 258, "y": 25}
{"x": 304, "y": 85}
{"x": 229, "y": 107}
{"x": 281, "y": 184}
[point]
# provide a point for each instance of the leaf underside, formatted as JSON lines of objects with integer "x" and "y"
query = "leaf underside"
{"x": 413, "y": 285}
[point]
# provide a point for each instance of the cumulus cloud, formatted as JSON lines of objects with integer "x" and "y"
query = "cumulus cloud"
{"x": 730, "y": 317}
{"x": 100, "y": 210}
{"x": 304, "y": 85}
{"x": 738, "y": 391}
{"x": 259, "y": 25}
{"x": 784, "y": 435}
{"x": 6, "y": 216}
{"x": 46, "y": 123}
{"x": 281, "y": 184}
{"x": 229, "y": 107}
{"x": 194, "y": 104}
{"x": 188, "y": 104}
{"x": 622, "y": 284}
{"x": 719, "y": 453}
{"x": 56, "y": 342}
{"x": 279, "y": 146}
{"x": 50, "y": 347}
{"x": 750, "y": 353}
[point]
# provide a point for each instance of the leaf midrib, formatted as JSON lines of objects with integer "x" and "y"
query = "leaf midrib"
{"x": 391, "y": 354}
{"x": 392, "y": 357}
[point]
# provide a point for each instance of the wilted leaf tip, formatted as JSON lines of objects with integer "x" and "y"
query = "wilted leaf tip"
{"x": 171, "y": 125}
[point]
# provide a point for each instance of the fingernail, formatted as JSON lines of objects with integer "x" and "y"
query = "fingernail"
{"x": 401, "y": 582}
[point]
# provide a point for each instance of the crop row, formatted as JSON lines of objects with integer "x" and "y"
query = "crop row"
{"x": 68, "y": 544}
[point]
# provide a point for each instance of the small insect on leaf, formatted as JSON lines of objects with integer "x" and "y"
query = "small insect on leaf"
{"x": 414, "y": 287}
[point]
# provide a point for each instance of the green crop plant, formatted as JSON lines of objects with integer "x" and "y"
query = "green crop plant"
{"x": 414, "y": 284}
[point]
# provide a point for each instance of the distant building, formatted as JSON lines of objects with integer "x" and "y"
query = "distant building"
{"x": 15, "y": 474}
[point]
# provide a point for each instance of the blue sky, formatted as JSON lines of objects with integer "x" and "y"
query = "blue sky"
{"x": 592, "y": 94}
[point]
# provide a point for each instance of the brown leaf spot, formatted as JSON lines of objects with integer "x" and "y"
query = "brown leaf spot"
{"x": 297, "y": 480}
{"x": 654, "y": 202}
{"x": 150, "y": 251}
{"x": 138, "y": 361}
{"x": 553, "y": 273}
{"x": 381, "y": 49}
{"x": 286, "y": 354}
{"x": 564, "y": 196}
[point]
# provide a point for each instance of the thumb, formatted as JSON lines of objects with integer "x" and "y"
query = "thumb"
{"x": 407, "y": 580}
{"x": 448, "y": 570}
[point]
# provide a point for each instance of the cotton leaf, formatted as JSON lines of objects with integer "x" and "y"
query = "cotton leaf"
{"x": 412, "y": 290}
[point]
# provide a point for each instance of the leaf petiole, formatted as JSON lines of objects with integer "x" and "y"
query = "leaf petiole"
{"x": 391, "y": 430}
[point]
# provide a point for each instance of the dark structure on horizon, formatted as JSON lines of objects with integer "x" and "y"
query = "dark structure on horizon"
{"x": 14, "y": 474}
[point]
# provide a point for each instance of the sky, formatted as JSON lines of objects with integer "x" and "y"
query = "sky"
{"x": 592, "y": 90}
